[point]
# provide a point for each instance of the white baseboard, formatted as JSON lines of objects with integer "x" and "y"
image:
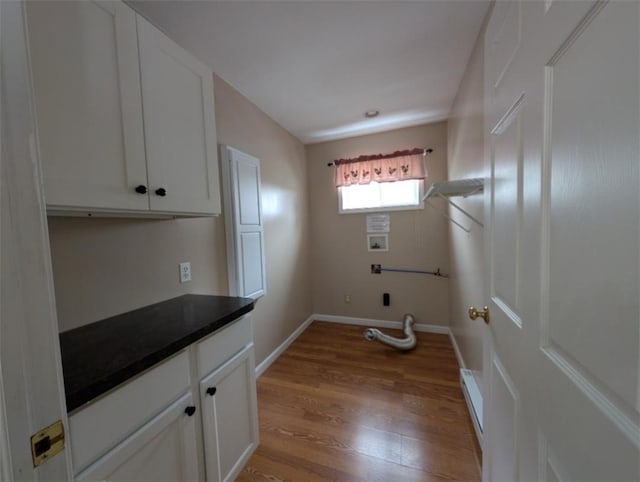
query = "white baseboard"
{"x": 266, "y": 363}
{"x": 348, "y": 320}
{"x": 457, "y": 350}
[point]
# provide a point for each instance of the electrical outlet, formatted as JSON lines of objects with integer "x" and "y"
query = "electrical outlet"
{"x": 347, "y": 298}
{"x": 185, "y": 272}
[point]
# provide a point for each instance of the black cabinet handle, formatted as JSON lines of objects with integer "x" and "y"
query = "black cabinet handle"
{"x": 141, "y": 189}
{"x": 162, "y": 192}
{"x": 190, "y": 410}
{"x": 211, "y": 391}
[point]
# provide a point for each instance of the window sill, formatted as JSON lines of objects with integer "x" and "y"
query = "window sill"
{"x": 381, "y": 209}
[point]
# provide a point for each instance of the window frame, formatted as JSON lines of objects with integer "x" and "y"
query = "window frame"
{"x": 419, "y": 206}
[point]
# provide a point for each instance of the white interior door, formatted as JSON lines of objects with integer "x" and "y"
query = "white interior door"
{"x": 562, "y": 124}
{"x": 243, "y": 223}
{"x": 31, "y": 387}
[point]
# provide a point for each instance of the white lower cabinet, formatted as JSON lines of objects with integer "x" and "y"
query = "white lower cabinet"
{"x": 229, "y": 416}
{"x": 164, "y": 449}
{"x": 192, "y": 414}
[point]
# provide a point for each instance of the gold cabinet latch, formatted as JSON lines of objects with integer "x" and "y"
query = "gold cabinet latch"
{"x": 484, "y": 314}
{"x": 47, "y": 443}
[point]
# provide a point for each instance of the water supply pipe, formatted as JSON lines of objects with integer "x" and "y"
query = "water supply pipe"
{"x": 404, "y": 344}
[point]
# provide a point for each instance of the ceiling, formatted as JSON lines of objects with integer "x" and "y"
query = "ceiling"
{"x": 315, "y": 67}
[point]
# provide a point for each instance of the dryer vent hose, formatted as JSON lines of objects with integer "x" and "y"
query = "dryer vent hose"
{"x": 404, "y": 344}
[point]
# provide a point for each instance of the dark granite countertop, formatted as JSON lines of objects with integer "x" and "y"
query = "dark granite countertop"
{"x": 99, "y": 356}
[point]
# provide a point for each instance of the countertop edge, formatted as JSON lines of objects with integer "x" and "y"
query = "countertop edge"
{"x": 79, "y": 399}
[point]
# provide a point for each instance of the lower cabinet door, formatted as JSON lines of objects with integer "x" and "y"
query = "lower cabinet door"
{"x": 164, "y": 449}
{"x": 229, "y": 416}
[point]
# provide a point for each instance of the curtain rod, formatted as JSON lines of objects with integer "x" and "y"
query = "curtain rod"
{"x": 373, "y": 157}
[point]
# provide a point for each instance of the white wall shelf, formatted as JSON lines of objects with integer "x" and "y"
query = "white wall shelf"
{"x": 460, "y": 187}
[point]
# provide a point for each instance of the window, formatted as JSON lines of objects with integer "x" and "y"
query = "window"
{"x": 381, "y": 182}
{"x": 381, "y": 196}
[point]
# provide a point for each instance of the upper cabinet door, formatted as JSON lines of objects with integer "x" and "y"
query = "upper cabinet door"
{"x": 89, "y": 110}
{"x": 179, "y": 122}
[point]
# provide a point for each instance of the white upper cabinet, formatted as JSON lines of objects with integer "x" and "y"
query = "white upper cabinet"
{"x": 86, "y": 76}
{"x": 126, "y": 119}
{"x": 179, "y": 122}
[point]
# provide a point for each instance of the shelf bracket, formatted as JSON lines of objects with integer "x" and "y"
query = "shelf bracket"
{"x": 464, "y": 188}
{"x": 474, "y": 219}
{"x": 443, "y": 213}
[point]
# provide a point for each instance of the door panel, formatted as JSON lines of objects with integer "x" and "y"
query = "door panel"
{"x": 249, "y": 193}
{"x": 506, "y": 111}
{"x": 592, "y": 203}
{"x": 504, "y": 433}
{"x": 506, "y": 205}
{"x": 505, "y": 39}
{"x": 549, "y": 464}
{"x": 591, "y": 258}
{"x": 563, "y": 208}
{"x": 251, "y": 255}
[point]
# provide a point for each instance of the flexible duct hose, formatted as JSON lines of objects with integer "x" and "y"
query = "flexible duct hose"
{"x": 406, "y": 343}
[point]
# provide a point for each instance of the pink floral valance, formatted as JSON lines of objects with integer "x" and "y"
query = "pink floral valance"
{"x": 398, "y": 166}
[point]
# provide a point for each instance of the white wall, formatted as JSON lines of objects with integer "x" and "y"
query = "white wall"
{"x": 466, "y": 160}
{"x": 285, "y": 207}
{"x": 417, "y": 240}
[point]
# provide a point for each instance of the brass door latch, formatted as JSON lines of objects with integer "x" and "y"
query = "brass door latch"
{"x": 47, "y": 443}
{"x": 475, "y": 313}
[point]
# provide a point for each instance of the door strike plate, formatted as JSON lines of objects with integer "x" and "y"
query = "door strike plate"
{"x": 47, "y": 443}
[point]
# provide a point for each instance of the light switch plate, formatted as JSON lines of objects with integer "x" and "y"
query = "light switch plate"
{"x": 185, "y": 272}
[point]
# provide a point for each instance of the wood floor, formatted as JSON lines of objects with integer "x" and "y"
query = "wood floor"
{"x": 336, "y": 407}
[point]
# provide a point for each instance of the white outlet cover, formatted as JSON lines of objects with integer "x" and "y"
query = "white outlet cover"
{"x": 185, "y": 272}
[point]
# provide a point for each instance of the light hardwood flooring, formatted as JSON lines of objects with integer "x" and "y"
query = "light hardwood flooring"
{"x": 334, "y": 406}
